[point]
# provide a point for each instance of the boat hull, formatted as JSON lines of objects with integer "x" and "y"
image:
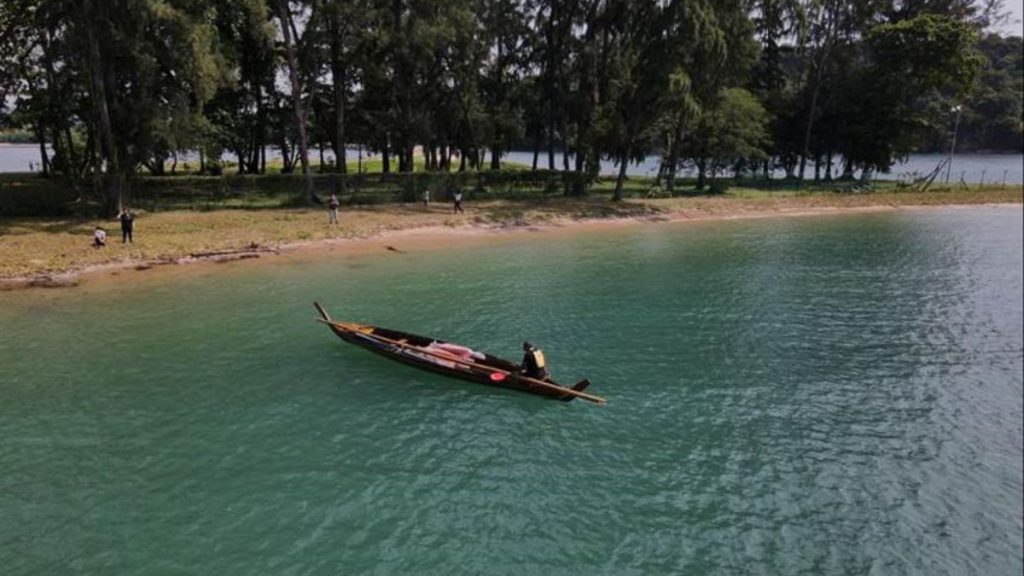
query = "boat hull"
{"x": 477, "y": 372}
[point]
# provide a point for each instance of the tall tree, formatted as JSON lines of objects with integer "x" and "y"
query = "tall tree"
{"x": 639, "y": 49}
{"x": 504, "y": 37}
{"x": 909, "y": 60}
{"x": 290, "y": 36}
{"x": 731, "y": 133}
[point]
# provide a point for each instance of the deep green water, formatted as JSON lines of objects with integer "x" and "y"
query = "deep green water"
{"x": 826, "y": 395}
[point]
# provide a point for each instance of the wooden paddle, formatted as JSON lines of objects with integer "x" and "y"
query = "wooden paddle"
{"x": 452, "y": 358}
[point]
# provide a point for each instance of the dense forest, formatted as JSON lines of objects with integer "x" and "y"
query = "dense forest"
{"x": 112, "y": 88}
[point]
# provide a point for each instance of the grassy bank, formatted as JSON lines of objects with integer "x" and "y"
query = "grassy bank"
{"x": 31, "y": 195}
{"x": 33, "y": 246}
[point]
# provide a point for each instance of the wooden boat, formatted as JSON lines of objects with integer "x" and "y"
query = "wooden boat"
{"x": 450, "y": 359}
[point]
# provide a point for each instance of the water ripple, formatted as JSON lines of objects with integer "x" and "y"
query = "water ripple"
{"x": 818, "y": 396}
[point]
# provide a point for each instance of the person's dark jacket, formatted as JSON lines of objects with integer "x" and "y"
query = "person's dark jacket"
{"x": 531, "y": 367}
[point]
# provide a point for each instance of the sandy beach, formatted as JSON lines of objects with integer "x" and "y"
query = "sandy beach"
{"x": 53, "y": 253}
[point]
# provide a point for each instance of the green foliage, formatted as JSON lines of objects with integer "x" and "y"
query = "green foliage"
{"x": 910, "y": 60}
{"x": 926, "y": 53}
{"x": 721, "y": 84}
{"x": 731, "y": 132}
{"x": 719, "y": 187}
{"x": 992, "y": 112}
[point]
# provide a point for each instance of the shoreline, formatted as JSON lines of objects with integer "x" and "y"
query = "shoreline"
{"x": 437, "y": 235}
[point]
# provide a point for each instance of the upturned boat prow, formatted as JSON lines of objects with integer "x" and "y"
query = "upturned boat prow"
{"x": 451, "y": 359}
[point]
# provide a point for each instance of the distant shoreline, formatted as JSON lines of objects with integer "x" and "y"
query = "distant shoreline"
{"x": 165, "y": 240}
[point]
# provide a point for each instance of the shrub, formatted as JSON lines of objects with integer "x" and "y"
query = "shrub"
{"x": 718, "y": 187}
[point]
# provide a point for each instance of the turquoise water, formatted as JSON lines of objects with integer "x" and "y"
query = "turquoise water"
{"x": 826, "y": 395}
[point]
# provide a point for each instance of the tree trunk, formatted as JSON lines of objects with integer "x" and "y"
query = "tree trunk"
{"x": 670, "y": 160}
{"x": 670, "y": 175}
{"x": 385, "y": 157}
{"x": 284, "y": 15}
{"x": 44, "y": 158}
{"x": 261, "y": 132}
{"x": 338, "y": 77}
{"x": 536, "y": 151}
{"x": 286, "y": 157}
{"x": 551, "y": 149}
{"x": 808, "y": 131}
{"x": 847, "y": 169}
{"x": 71, "y": 162}
{"x": 623, "y": 163}
{"x": 156, "y": 168}
{"x": 115, "y": 200}
{"x": 495, "y": 157}
{"x": 577, "y": 187}
{"x": 805, "y": 150}
{"x": 254, "y": 149}
{"x": 673, "y": 156}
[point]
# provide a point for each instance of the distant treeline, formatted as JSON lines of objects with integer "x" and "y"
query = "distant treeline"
{"x": 115, "y": 87}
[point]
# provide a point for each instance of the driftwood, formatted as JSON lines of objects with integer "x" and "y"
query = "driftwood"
{"x": 252, "y": 249}
{"x": 48, "y": 281}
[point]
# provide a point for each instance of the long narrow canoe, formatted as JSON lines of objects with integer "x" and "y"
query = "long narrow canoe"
{"x": 450, "y": 359}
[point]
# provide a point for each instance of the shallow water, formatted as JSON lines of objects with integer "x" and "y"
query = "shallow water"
{"x": 837, "y": 395}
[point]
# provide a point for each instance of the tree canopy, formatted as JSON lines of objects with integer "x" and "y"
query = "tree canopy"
{"x": 109, "y": 88}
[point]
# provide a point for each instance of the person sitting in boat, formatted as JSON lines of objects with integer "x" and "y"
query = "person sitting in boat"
{"x": 534, "y": 364}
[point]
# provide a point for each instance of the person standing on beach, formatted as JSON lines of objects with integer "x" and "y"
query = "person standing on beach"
{"x": 127, "y": 225}
{"x": 332, "y": 209}
{"x": 457, "y": 200}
